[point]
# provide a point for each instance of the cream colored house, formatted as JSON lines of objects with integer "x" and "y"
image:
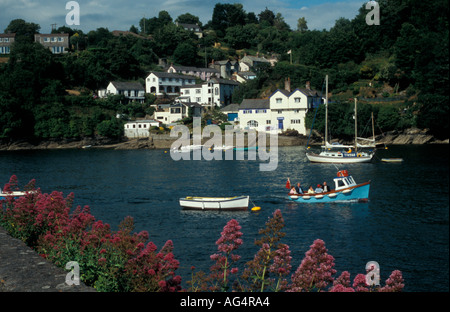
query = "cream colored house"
{"x": 281, "y": 111}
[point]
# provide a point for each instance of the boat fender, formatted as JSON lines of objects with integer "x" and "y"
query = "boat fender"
{"x": 318, "y": 196}
{"x": 294, "y": 196}
{"x": 306, "y": 197}
{"x": 256, "y": 208}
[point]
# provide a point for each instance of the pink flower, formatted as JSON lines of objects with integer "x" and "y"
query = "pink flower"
{"x": 359, "y": 283}
{"x": 341, "y": 288}
{"x": 316, "y": 269}
{"x": 394, "y": 283}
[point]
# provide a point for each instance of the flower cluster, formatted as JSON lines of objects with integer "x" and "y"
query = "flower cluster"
{"x": 109, "y": 260}
{"x": 271, "y": 267}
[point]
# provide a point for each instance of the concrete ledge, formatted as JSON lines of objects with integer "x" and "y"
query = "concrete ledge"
{"x": 23, "y": 270}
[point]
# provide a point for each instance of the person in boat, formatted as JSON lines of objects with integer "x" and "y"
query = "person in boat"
{"x": 318, "y": 189}
{"x": 325, "y": 187}
{"x": 311, "y": 190}
{"x": 293, "y": 191}
{"x": 299, "y": 189}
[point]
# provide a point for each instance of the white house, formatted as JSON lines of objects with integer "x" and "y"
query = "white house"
{"x": 281, "y": 111}
{"x": 248, "y": 62}
{"x": 215, "y": 92}
{"x": 171, "y": 113}
{"x": 169, "y": 83}
{"x": 139, "y": 128}
{"x": 133, "y": 91}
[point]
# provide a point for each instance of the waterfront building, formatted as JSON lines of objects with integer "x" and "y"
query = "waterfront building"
{"x": 160, "y": 83}
{"x": 133, "y": 91}
{"x": 216, "y": 92}
{"x": 283, "y": 110}
{"x": 139, "y": 128}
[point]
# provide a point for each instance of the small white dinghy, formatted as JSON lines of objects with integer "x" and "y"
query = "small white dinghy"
{"x": 215, "y": 203}
{"x": 392, "y": 160}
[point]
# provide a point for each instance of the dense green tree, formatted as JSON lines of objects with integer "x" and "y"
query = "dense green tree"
{"x": 185, "y": 54}
{"x": 227, "y": 15}
{"x": 24, "y": 31}
{"x": 188, "y": 18}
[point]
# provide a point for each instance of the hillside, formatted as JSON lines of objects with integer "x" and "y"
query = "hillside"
{"x": 398, "y": 69}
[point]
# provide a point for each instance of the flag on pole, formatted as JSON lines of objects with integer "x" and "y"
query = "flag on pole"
{"x": 288, "y": 184}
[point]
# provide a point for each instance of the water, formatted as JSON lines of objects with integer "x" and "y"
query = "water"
{"x": 404, "y": 226}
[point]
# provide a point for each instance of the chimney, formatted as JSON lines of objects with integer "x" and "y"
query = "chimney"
{"x": 308, "y": 85}
{"x": 287, "y": 84}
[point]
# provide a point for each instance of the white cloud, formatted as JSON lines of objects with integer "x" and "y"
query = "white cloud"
{"x": 117, "y": 14}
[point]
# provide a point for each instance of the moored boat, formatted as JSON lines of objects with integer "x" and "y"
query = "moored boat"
{"x": 14, "y": 194}
{"x": 345, "y": 189}
{"x": 392, "y": 160}
{"x": 215, "y": 203}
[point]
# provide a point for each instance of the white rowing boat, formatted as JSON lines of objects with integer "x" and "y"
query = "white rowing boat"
{"x": 215, "y": 203}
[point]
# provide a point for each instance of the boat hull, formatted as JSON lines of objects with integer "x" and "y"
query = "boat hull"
{"x": 359, "y": 192}
{"x": 215, "y": 203}
{"x": 313, "y": 157}
{"x": 15, "y": 194}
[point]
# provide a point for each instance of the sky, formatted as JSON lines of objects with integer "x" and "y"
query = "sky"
{"x": 120, "y": 15}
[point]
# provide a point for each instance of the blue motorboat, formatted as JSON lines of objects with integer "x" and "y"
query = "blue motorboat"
{"x": 345, "y": 190}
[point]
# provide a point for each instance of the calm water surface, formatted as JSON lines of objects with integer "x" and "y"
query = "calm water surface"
{"x": 404, "y": 226}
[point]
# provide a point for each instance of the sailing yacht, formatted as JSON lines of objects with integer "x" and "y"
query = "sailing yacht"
{"x": 338, "y": 153}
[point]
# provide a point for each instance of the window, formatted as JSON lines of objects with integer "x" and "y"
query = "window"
{"x": 216, "y": 91}
{"x": 4, "y": 50}
{"x": 280, "y": 112}
{"x": 268, "y": 122}
{"x": 252, "y": 123}
{"x": 198, "y": 91}
{"x": 60, "y": 39}
{"x": 296, "y": 111}
{"x": 278, "y": 100}
{"x": 46, "y": 39}
{"x": 247, "y": 111}
{"x": 297, "y": 100}
{"x": 186, "y": 92}
{"x": 295, "y": 121}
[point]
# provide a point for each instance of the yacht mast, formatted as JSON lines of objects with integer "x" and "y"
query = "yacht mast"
{"x": 356, "y": 126}
{"x": 326, "y": 110}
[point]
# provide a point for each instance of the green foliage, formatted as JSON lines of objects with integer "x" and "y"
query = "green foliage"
{"x": 407, "y": 51}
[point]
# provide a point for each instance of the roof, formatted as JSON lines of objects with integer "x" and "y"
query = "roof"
{"x": 194, "y": 69}
{"x": 142, "y": 121}
{"x": 225, "y": 81}
{"x": 285, "y": 92}
{"x": 171, "y": 75}
{"x": 52, "y": 35}
{"x": 230, "y": 108}
{"x": 9, "y": 35}
{"x": 255, "y": 103}
{"x": 256, "y": 59}
{"x": 308, "y": 92}
{"x": 122, "y": 85}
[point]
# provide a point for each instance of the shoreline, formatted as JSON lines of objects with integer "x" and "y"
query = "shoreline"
{"x": 164, "y": 141}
